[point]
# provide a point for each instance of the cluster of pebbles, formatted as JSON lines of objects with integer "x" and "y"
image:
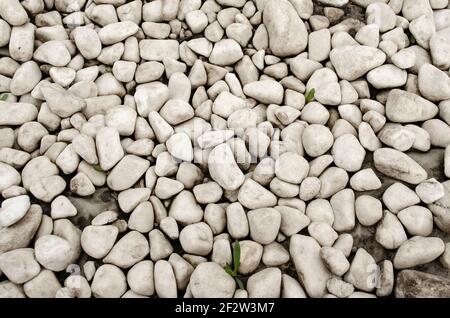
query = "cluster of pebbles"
{"x": 289, "y": 126}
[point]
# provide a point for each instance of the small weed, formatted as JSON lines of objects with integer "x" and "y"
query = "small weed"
{"x": 412, "y": 39}
{"x": 3, "y": 97}
{"x": 97, "y": 168}
{"x": 310, "y": 95}
{"x": 233, "y": 268}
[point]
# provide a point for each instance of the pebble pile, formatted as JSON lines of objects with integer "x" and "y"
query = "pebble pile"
{"x": 145, "y": 145}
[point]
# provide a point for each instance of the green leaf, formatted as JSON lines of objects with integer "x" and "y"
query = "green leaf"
{"x": 239, "y": 282}
{"x": 236, "y": 256}
{"x": 3, "y": 97}
{"x": 98, "y": 168}
{"x": 310, "y": 95}
{"x": 229, "y": 270}
{"x": 412, "y": 39}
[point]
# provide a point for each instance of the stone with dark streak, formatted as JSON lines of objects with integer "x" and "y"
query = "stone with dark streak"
{"x": 415, "y": 284}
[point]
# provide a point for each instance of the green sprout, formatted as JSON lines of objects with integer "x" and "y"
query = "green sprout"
{"x": 412, "y": 39}
{"x": 310, "y": 95}
{"x": 97, "y": 168}
{"x": 3, "y": 97}
{"x": 236, "y": 263}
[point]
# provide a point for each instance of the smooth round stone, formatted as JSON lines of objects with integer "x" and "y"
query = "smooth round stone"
{"x": 264, "y": 224}
{"x": 406, "y": 107}
{"x": 387, "y": 76}
{"x": 226, "y": 52}
{"x": 224, "y": 169}
{"x": 287, "y": 32}
{"x": 130, "y": 249}
{"x": 291, "y": 167}
{"x": 398, "y": 196}
{"x": 142, "y": 218}
{"x": 265, "y": 283}
{"x": 87, "y": 42}
{"x": 293, "y": 220}
{"x": 109, "y": 282}
{"x": 368, "y": 210}
{"x": 361, "y": 271}
{"x": 21, "y": 233}
{"x": 398, "y": 165}
{"x": 339, "y": 288}
{"x": 365, "y": 180}
{"x": 317, "y": 140}
{"x": 418, "y": 251}
{"x": 311, "y": 270}
{"x": 430, "y": 191}
{"x": 267, "y": 92}
{"x": 309, "y": 188}
{"x": 53, "y": 252}
{"x": 13, "y": 209}
{"x": 332, "y": 180}
{"x": 254, "y": 196}
{"x": 97, "y": 241}
{"x": 44, "y": 285}
{"x": 352, "y": 62}
{"x": 132, "y": 167}
{"x": 37, "y": 169}
{"x": 335, "y": 260}
{"x": 251, "y": 254}
{"x": 348, "y": 153}
{"x": 185, "y": 209}
{"x": 417, "y": 220}
{"x": 390, "y": 233}
{"x": 140, "y": 278}
{"x": 197, "y": 239}
{"x": 52, "y": 52}
{"x": 434, "y": 84}
{"x": 291, "y": 288}
{"x": 275, "y": 254}
{"x": 180, "y": 147}
{"x": 9, "y": 176}
{"x": 209, "y": 280}
{"x": 19, "y": 265}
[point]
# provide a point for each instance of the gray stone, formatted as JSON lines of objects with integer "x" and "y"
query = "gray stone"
{"x": 415, "y": 284}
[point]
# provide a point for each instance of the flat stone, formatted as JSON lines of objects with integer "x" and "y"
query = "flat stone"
{"x": 252, "y": 195}
{"x": 157, "y": 50}
{"x": 127, "y": 172}
{"x": 352, "y": 62}
{"x": 16, "y": 114}
{"x": 418, "y": 251}
{"x": 415, "y": 284}
{"x": 406, "y": 107}
{"x": 267, "y": 92}
{"x": 398, "y": 165}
